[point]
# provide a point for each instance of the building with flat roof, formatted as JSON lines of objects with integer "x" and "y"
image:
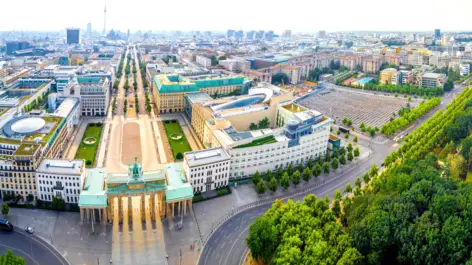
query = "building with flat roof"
{"x": 387, "y": 75}
{"x": 169, "y": 90}
{"x": 431, "y": 80}
{"x": 73, "y": 35}
{"x": 207, "y": 169}
{"x": 61, "y": 179}
{"x": 94, "y": 93}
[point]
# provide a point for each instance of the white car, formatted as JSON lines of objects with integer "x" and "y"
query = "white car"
{"x": 29, "y": 230}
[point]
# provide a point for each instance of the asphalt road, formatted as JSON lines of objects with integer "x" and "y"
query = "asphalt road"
{"x": 227, "y": 244}
{"x": 34, "y": 250}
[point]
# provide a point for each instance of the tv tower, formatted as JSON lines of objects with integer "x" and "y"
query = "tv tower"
{"x": 105, "y": 21}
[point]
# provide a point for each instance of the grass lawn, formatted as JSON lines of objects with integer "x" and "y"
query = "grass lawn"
{"x": 177, "y": 146}
{"x": 88, "y": 151}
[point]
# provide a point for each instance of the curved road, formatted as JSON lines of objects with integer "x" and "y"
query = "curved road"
{"x": 34, "y": 250}
{"x": 227, "y": 244}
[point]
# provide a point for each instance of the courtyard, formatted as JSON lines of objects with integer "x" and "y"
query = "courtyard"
{"x": 176, "y": 137}
{"x": 360, "y": 107}
{"x": 89, "y": 144}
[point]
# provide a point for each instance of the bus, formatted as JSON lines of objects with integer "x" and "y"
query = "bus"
{"x": 343, "y": 129}
{"x": 5, "y": 224}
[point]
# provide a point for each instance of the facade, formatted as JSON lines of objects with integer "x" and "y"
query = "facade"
{"x": 94, "y": 95}
{"x": 386, "y": 75}
{"x": 431, "y": 80}
{"x": 73, "y": 35}
{"x": 402, "y": 77}
{"x": 169, "y": 90}
{"x": 371, "y": 66}
{"x": 203, "y": 61}
{"x": 207, "y": 169}
{"x": 13, "y": 46}
{"x": 61, "y": 179}
{"x": 464, "y": 69}
{"x": 24, "y": 143}
{"x": 351, "y": 62}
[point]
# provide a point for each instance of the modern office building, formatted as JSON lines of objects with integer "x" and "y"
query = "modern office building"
{"x": 61, "y": 179}
{"x": 169, "y": 90}
{"x": 260, "y": 35}
{"x": 431, "y": 80}
{"x": 321, "y": 34}
{"x": 287, "y": 34}
{"x": 203, "y": 61}
{"x": 73, "y": 35}
{"x": 402, "y": 77}
{"x": 13, "y": 46}
{"x": 207, "y": 169}
{"x": 437, "y": 33}
{"x": 464, "y": 69}
{"x": 250, "y": 35}
{"x": 230, "y": 33}
{"x": 269, "y": 35}
{"x": 89, "y": 30}
{"x": 94, "y": 95}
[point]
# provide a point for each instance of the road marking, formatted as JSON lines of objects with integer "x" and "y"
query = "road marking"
{"x": 48, "y": 246}
{"x": 232, "y": 246}
{"x": 19, "y": 250}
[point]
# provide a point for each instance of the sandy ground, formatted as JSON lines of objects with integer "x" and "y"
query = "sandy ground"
{"x": 131, "y": 143}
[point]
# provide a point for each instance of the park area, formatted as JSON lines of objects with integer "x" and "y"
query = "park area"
{"x": 176, "y": 137}
{"x": 89, "y": 144}
{"x": 360, "y": 107}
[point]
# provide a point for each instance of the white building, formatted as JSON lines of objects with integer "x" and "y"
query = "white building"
{"x": 464, "y": 69}
{"x": 207, "y": 169}
{"x": 61, "y": 179}
{"x": 70, "y": 111}
{"x": 304, "y": 136}
{"x": 203, "y": 61}
{"x": 94, "y": 95}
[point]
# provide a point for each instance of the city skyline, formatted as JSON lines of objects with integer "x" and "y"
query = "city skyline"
{"x": 354, "y": 16}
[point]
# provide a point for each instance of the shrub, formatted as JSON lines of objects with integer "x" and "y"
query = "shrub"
{"x": 88, "y": 162}
{"x": 179, "y": 156}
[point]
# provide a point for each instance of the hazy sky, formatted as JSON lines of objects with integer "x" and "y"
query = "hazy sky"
{"x": 297, "y": 15}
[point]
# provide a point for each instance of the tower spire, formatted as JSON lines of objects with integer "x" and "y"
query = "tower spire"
{"x": 105, "y": 21}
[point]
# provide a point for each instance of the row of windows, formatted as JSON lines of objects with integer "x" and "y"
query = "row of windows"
{"x": 7, "y": 186}
{"x": 211, "y": 166}
{"x": 57, "y": 177}
{"x": 209, "y": 179}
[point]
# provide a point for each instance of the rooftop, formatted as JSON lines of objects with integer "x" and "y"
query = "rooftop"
{"x": 203, "y": 157}
{"x": 93, "y": 193}
{"x": 261, "y": 141}
{"x": 177, "y": 186}
{"x": 61, "y": 166}
{"x": 433, "y": 75}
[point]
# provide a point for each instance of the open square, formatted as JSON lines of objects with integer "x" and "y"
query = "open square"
{"x": 88, "y": 148}
{"x": 176, "y": 137}
{"x": 131, "y": 143}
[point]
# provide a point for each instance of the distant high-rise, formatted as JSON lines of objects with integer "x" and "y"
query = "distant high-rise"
{"x": 250, "y": 35}
{"x": 73, "y": 36}
{"x": 230, "y": 33}
{"x": 321, "y": 34}
{"x": 287, "y": 34}
{"x": 89, "y": 30}
{"x": 105, "y": 21}
{"x": 13, "y": 46}
{"x": 269, "y": 35}
{"x": 239, "y": 35}
{"x": 437, "y": 33}
{"x": 260, "y": 35}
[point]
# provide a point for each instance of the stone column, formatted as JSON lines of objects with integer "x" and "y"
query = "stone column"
{"x": 178, "y": 208}
{"x": 143, "y": 206}
{"x": 185, "y": 207}
{"x": 152, "y": 203}
{"x": 130, "y": 208}
{"x": 81, "y": 215}
{"x": 172, "y": 214}
{"x": 100, "y": 215}
{"x": 120, "y": 209}
{"x": 190, "y": 207}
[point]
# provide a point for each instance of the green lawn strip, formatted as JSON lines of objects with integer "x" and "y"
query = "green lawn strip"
{"x": 262, "y": 141}
{"x": 177, "y": 146}
{"x": 89, "y": 151}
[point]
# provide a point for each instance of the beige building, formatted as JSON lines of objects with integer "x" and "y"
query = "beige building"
{"x": 386, "y": 75}
{"x": 371, "y": 66}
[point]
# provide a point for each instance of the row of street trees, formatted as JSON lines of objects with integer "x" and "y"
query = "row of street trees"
{"x": 283, "y": 177}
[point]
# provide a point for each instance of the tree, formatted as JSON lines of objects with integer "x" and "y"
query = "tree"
{"x": 349, "y": 147}
{"x": 58, "y": 204}
{"x": 355, "y": 139}
{"x": 336, "y": 208}
{"x": 334, "y": 163}
{"x": 338, "y": 132}
{"x": 356, "y": 152}
{"x": 278, "y": 78}
{"x": 296, "y": 178}
{"x": 261, "y": 187}
{"x": 373, "y": 170}
{"x": 5, "y": 209}
{"x": 337, "y": 194}
{"x": 348, "y": 188}
{"x": 327, "y": 157}
{"x": 317, "y": 170}
{"x": 326, "y": 167}
{"x": 179, "y": 156}
{"x": 346, "y": 136}
{"x": 262, "y": 239}
{"x": 290, "y": 169}
{"x": 256, "y": 178}
{"x": 350, "y": 156}
{"x": 30, "y": 197}
{"x": 309, "y": 164}
{"x": 252, "y": 126}
{"x": 268, "y": 175}
{"x": 285, "y": 181}
{"x": 358, "y": 183}
{"x": 306, "y": 174}
{"x": 366, "y": 178}
{"x": 342, "y": 159}
{"x": 273, "y": 184}
{"x": 9, "y": 258}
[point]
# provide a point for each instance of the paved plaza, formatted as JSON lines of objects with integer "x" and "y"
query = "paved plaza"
{"x": 131, "y": 143}
{"x": 372, "y": 109}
